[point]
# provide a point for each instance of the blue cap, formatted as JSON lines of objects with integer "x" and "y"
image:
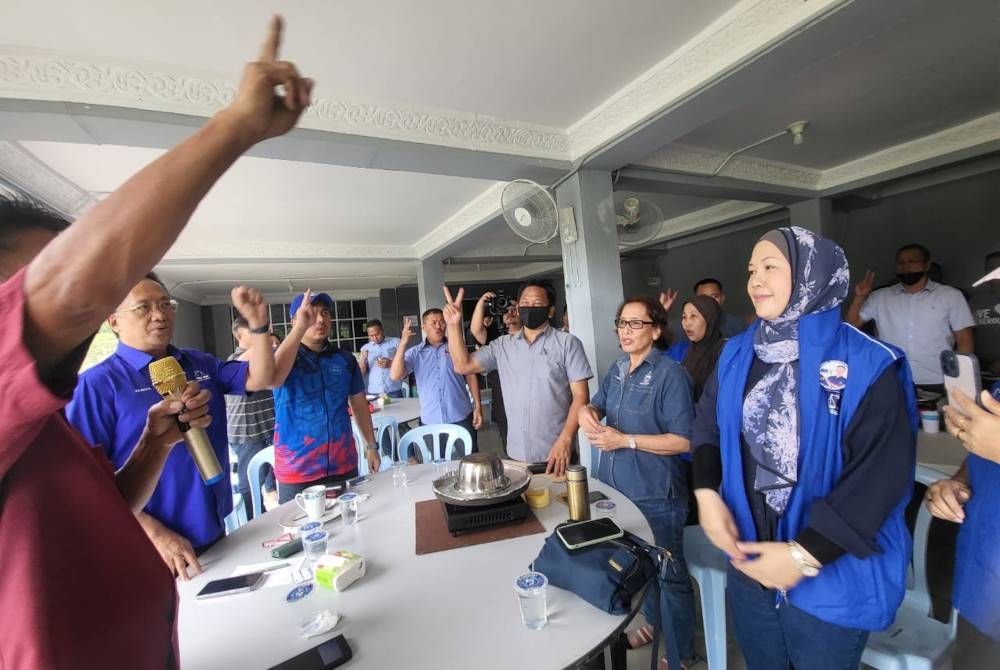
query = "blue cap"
{"x": 297, "y": 302}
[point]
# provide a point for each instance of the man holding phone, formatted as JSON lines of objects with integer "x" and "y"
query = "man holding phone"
{"x": 376, "y": 359}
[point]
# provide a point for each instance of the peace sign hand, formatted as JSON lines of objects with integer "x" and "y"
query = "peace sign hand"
{"x": 407, "y": 330}
{"x": 453, "y": 307}
{"x": 258, "y": 110}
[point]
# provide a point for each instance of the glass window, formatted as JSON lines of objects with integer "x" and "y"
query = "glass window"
{"x": 343, "y": 309}
{"x": 360, "y": 309}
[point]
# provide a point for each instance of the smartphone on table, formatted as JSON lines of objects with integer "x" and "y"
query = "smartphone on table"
{"x": 231, "y": 585}
{"x": 585, "y": 533}
{"x": 961, "y": 371}
{"x": 323, "y": 656}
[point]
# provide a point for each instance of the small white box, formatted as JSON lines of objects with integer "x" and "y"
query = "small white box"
{"x": 339, "y": 569}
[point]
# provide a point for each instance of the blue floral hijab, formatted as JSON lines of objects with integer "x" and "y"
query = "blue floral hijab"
{"x": 820, "y": 279}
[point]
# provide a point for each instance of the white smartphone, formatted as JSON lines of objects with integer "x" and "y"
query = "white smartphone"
{"x": 961, "y": 371}
{"x": 586, "y": 533}
{"x": 230, "y": 585}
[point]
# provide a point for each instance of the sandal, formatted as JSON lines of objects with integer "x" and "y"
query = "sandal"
{"x": 640, "y": 637}
{"x": 663, "y": 665}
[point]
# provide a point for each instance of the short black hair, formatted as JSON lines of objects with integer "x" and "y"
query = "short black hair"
{"x": 20, "y": 214}
{"x": 550, "y": 293}
{"x": 152, "y": 276}
{"x": 925, "y": 253}
{"x": 238, "y": 323}
{"x": 657, "y": 315}
{"x": 428, "y": 312}
{"x": 708, "y": 280}
{"x": 374, "y": 323}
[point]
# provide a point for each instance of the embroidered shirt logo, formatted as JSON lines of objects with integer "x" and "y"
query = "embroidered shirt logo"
{"x": 647, "y": 379}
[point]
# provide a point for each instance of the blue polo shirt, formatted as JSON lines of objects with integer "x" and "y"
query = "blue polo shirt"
{"x": 109, "y": 407}
{"x": 444, "y": 395}
{"x": 654, "y": 399}
{"x": 313, "y": 437}
{"x": 379, "y": 379}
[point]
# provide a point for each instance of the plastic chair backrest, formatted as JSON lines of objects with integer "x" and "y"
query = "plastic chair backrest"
{"x": 263, "y": 456}
{"x": 920, "y": 595}
{"x": 451, "y": 433}
{"x": 387, "y": 427}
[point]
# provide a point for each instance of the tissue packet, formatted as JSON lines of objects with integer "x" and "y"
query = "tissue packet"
{"x": 339, "y": 569}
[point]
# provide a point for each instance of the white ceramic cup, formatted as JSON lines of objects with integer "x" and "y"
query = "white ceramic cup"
{"x": 930, "y": 420}
{"x": 312, "y": 501}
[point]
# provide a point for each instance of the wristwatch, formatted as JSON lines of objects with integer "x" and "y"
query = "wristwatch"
{"x": 631, "y": 442}
{"x": 372, "y": 447}
{"x": 801, "y": 562}
{"x": 262, "y": 329}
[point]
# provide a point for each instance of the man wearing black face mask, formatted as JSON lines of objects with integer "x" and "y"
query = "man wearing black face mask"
{"x": 918, "y": 315}
{"x": 543, "y": 371}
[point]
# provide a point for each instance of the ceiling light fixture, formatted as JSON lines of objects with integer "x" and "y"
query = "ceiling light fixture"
{"x": 796, "y": 130}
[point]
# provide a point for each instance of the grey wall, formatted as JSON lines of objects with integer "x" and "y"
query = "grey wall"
{"x": 958, "y": 221}
{"x": 219, "y": 330}
{"x": 188, "y": 332}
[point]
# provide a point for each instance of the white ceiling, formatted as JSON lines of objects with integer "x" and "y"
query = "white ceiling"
{"x": 545, "y": 63}
{"x": 444, "y": 90}
{"x": 937, "y": 68}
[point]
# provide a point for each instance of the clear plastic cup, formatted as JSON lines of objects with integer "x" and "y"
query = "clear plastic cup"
{"x": 440, "y": 467}
{"x": 530, "y": 589}
{"x": 314, "y": 544}
{"x": 349, "y": 508}
{"x": 399, "y": 473}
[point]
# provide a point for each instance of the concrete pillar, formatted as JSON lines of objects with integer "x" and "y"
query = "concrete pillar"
{"x": 815, "y": 215}
{"x": 592, "y": 272}
{"x": 430, "y": 279}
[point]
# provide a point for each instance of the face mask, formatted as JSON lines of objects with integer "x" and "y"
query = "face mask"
{"x": 533, "y": 317}
{"x": 909, "y": 278}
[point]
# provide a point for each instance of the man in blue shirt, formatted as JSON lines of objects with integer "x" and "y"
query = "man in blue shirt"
{"x": 183, "y": 517}
{"x": 443, "y": 394}
{"x": 314, "y": 382}
{"x": 376, "y": 359}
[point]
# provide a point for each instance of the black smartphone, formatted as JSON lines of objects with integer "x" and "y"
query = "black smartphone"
{"x": 326, "y": 655}
{"x": 230, "y": 585}
{"x": 586, "y": 533}
{"x": 594, "y": 496}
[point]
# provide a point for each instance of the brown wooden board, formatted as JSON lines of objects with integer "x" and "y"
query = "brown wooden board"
{"x": 432, "y": 530}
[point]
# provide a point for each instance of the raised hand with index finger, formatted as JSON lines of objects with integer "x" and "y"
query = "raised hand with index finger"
{"x": 258, "y": 110}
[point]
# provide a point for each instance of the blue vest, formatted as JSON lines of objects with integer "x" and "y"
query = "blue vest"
{"x": 976, "y": 592}
{"x": 849, "y": 592}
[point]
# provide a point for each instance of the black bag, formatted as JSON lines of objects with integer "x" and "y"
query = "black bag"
{"x": 609, "y": 575}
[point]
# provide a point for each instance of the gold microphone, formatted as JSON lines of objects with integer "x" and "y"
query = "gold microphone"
{"x": 170, "y": 381}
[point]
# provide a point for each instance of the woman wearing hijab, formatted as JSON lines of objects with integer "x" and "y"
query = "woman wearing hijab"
{"x": 701, "y": 320}
{"x": 805, "y": 450}
{"x": 646, "y": 398}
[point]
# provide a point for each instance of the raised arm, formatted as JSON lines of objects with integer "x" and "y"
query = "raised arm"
{"x": 252, "y": 306}
{"x": 460, "y": 358}
{"x": 861, "y": 293}
{"x": 284, "y": 357}
{"x": 397, "y": 371}
{"x": 476, "y": 325}
{"x": 85, "y": 272}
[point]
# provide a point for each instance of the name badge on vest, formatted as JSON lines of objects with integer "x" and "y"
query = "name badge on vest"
{"x": 833, "y": 379}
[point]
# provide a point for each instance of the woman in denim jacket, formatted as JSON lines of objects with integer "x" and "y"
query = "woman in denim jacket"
{"x": 646, "y": 398}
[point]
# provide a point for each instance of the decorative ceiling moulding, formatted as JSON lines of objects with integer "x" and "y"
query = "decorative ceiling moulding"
{"x": 967, "y": 136}
{"x": 209, "y": 249}
{"x": 26, "y": 173}
{"x": 39, "y": 76}
{"x": 749, "y": 28}
{"x": 716, "y": 215}
{"x": 700, "y": 162}
{"x": 478, "y": 211}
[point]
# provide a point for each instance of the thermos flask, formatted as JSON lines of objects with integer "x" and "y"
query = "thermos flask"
{"x": 577, "y": 493}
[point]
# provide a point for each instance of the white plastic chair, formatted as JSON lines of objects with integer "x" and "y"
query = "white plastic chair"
{"x": 386, "y": 426}
{"x": 915, "y": 640}
{"x": 262, "y": 457}
{"x": 451, "y": 433}
{"x": 359, "y": 441}
{"x": 707, "y": 565}
{"x": 238, "y": 517}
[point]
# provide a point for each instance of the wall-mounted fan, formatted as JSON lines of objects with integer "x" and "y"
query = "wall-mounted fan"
{"x": 531, "y": 212}
{"x": 638, "y": 221}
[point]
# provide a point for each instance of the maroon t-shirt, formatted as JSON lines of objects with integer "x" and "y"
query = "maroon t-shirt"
{"x": 81, "y": 586}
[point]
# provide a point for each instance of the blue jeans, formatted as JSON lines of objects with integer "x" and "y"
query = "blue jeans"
{"x": 666, "y": 516}
{"x": 776, "y": 638}
{"x": 244, "y": 452}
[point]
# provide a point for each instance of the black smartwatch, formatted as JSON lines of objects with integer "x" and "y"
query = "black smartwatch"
{"x": 266, "y": 328}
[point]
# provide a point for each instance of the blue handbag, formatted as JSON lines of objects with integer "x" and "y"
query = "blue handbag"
{"x": 609, "y": 575}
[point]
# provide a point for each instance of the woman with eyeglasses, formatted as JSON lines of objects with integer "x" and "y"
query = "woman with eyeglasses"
{"x": 805, "y": 442}
{"x": 646, "y": 398}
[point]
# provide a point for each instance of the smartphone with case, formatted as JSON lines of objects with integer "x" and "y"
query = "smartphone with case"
{"x": 323, "y": 656}
{"x": 961, "y": 371}
{"x": 231, "y": 585}
{"x": 585, "y": 533}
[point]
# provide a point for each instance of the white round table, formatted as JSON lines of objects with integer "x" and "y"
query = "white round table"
{"x": 451, "y": 609}
{"x": 401, "y": 409}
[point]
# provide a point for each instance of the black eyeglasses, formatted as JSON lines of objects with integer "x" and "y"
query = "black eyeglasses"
{"x": 634, "y": 324}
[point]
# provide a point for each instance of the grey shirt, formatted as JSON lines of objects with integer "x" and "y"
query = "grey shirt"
{"x": 535, "y": 379}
